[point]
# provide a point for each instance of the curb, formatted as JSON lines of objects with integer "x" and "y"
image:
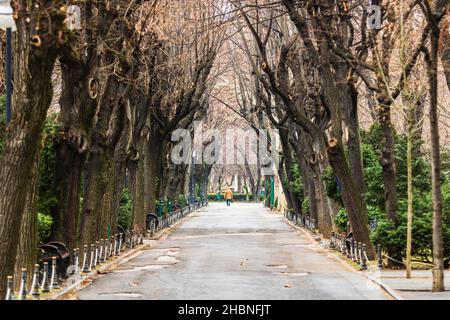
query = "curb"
{"x": 389, "y": 290}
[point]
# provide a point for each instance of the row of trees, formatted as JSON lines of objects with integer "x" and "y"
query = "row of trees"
{"x": 313, "y": 66}
{"x": 107, "y": 98}
{"x": 94, "y": 110}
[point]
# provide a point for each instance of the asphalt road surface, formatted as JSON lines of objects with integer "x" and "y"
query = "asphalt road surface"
{"x": 240, "y": 252}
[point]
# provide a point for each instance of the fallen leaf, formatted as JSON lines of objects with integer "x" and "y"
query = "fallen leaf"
{"x": 288, "y": 285}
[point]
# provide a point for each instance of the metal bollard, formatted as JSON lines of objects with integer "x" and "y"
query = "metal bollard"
{"x": 363, "y": 257}
{"x": 23, "y": 285}
{"x": 380, "y": 257}
{"x": 54, "y": 285}
{"x": 97, "y": 244}
{"x": 348, "y": 248}
{"x": 120, "y": 242}
{"x": 132, "y": 239}
{"x": 353, "y": 250}
{"x": 116, "y": 253}
{"x": 76, "y": 260}
{"x": 111, "y": 246}
{"x": 85, "y": 259}
{"x": 91, "y": 257}
{"x": 100, "y": 252}
{"x": 45, "y": 286}
{"x": 10, "y": 288}
{"x": 359, "y": 253}
{"x": 35, "y": 283}
{"x": 332, "y": 240}
{"x": 105, "y": 254}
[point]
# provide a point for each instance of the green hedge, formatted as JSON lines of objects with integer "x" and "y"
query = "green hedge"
{"x": 239, "y": 197}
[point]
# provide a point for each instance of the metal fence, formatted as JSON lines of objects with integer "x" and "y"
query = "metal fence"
{"x": 354, "y": 250}
{"x": 301, "y": 220}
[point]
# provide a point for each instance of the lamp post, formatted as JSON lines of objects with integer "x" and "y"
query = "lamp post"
{"x": 7, "y": 23}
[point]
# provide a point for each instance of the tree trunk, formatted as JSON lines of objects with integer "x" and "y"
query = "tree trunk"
{"x": 156, "y": 147}
{"x": 32, "y": 97}
{"x": 387, "y": 161}
{"x": 95, "y": 185}
{"x": 77, "y": 111}
{"x": 445, "y": 47}
{"x": 353, "y": 202}
{"x": 438, "y": 245}
{"x": 68, "y": 173}
{"x": 137, "y": 179}
{"x": 28, "y": 240}
{"x": 295, "y": 202}
{"x": 354, "y": 141}
{"x": 409, "y": 164}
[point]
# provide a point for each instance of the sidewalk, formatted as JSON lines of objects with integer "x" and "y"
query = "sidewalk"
{"x": 416, "y": 288}
{"x": 393, "y": 281}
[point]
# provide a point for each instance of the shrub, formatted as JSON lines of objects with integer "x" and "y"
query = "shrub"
{"x": 125, "y": 210}
{"x": 44, "y": 226}
{"x": 392, "y": 235}
{"x": 182, "y": 201}
{"x": 341, "y": 220}
{"x": 305, "y": 206}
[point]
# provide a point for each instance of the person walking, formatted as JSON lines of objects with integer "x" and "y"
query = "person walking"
{"x": 228, "y": 196}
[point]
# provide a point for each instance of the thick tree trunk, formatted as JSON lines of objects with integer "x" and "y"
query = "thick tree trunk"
{"x": 294, "y": 201}
{"x": 115, "y": 188}
{"x": 109, "y": 127}
{"x": 313, "y": 203}
{"x": 76, "y": 118}
{"x": 156, "y": 147}
{"x": 137, "y": 172}
{"x": 353, "y": 202}
{"x": 324, "y": 223}
{"x": 68, "y": 173}
{"x": 285, "y": 186}
{"x": 28, "y": 237}
{"x": 32, "y": 97}
{"x": 354, "y": 141}
{"x": 95, "y": 185}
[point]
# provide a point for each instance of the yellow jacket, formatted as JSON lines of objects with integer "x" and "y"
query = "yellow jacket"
{"x": 228, "y": 195}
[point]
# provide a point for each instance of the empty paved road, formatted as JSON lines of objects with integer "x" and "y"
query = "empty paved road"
{"x": 241, "y": 252}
